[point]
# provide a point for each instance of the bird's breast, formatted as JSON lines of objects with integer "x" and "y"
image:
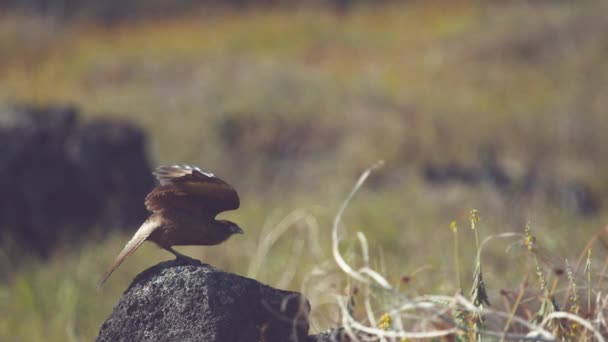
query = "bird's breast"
{"x": 186, "y": 232}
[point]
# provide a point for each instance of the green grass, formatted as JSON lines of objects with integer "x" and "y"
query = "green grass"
{"x": 290, "y": 106}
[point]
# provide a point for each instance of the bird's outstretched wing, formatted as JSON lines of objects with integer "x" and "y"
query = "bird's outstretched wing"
{"x": 140, "y": 236}
{"x": 189, "y": 188}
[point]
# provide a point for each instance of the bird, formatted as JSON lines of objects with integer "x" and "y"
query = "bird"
{"x": 183, "y": 207}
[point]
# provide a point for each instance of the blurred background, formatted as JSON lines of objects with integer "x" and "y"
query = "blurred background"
{"x": 494, "y": 105}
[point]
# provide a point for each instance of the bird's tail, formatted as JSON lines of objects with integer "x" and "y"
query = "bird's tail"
{"x": 140, "y": 236}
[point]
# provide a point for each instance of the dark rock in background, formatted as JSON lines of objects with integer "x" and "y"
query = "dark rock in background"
{"x": 567, "y": 194}
{"x": 189, "y": 301}
{"x": 442, "y": 174}
{"x": 116, "y": 11}
{"x": 59, "y": 177}
{"x": 575, "y": 196}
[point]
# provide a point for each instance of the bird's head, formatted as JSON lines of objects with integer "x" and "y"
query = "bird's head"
{"x": 232, "y": 227}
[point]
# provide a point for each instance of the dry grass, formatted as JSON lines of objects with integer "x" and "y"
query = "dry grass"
{"x": 535, "y": 313}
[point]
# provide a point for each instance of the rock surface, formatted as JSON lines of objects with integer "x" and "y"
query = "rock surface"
{"x": 190, "y": 301}
{"x": 332, "y": 335}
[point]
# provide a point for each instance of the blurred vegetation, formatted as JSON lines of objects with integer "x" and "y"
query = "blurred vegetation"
{"x": 113, "y": 11}
{"x": 290, "y": 105}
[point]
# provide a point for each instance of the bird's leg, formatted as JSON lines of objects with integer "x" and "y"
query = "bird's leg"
{"x": 181, "y": 256}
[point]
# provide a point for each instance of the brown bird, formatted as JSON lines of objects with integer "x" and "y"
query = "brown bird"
{"x": 183, "y": 208}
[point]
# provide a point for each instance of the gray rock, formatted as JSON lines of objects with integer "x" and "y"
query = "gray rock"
{"x": 331, "y": 335}
{"x": 190, "y": 301}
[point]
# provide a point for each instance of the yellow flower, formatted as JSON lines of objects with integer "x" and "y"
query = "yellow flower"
{"x": 453, "y": 226}
{"x": 529, "y": 240}
{"x": 385, "y": 322}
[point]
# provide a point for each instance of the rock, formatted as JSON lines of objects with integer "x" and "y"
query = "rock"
{"x": 60, "y": 177}
{"x": 575, "y": 196}
{"x": 569, "y": 194}
{"x": 189, "y": 301}
{"x": 331, "y": 335}
{"x": 452, "y": 172}
{"x": 110, "y": 155}
{"x": 491, "y": 170}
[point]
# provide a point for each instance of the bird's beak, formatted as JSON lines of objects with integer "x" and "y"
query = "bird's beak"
{"x": 238, "y": 230}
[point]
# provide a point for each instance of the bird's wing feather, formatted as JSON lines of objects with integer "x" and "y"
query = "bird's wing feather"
{"x": 166, "y": 174}
{"x": 140, "y": 236}
{"x": 190, "y": 188}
